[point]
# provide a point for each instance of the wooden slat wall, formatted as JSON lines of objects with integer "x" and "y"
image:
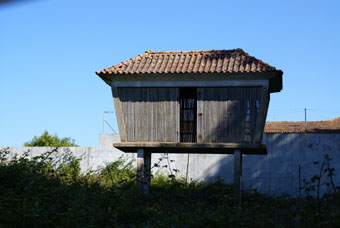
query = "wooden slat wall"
{"x": 229, "y": 114}
{"x": 149, "y": 114}
{"x": 119, "y": 114}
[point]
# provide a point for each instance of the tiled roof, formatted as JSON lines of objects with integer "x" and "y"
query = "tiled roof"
{"x": 332, "y": 125}
{"x": 213, "y": 61}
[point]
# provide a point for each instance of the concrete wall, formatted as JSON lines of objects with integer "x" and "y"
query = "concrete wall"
{"x": 275, "y": 173}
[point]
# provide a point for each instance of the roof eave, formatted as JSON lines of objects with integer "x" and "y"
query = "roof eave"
{"x": 274, "y": 77}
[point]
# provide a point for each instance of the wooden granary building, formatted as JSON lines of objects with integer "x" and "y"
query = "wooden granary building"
{"x": 192, "y": 101}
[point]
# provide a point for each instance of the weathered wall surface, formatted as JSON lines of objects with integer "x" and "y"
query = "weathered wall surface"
{"x": 275, "y": 173}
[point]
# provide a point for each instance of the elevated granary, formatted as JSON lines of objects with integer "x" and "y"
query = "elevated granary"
{"x": 191, "y": 102}
{"x": 217, "y": 96}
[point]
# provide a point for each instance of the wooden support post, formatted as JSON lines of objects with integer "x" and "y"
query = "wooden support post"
{"x": 237, "y": 174}
{"x": 143, "y": 171}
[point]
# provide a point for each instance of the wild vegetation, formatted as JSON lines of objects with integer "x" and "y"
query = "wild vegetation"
{"x": 50, "y": 191}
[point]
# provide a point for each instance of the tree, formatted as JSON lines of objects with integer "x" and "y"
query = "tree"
{"x": 50, "y": 140}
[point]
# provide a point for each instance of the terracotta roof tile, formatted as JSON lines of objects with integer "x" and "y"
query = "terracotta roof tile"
{"x": 332, "y": 125}
{"x": 213, "y": 61}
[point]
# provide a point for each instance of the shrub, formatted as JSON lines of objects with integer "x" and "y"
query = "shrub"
{"x": 50, "y": 140}
{"x": 50, "y": 191}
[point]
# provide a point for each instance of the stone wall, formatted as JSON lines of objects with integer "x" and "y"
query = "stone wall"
{"x": 290, "y": 159}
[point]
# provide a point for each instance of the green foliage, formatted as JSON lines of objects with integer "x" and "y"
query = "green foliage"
{"x": 118, "y": 173}
{"x": 50, "y": 191}
{"x": 50, "y": 140}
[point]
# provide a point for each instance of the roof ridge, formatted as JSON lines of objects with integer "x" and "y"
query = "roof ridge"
{"x": 197, "y": 51}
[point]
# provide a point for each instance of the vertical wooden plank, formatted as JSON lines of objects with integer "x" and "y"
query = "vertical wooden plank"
{"x": 131, "y": 117}
{"x": 240, "y": 114}
{"x": 249, "y": 115}
{"x": 159, "y": 116}
{"x": 236, "y": 115}
{"x": 145, "y": 128}
{"x": 166, "y": 114}
{"x": 137, "y": 114}
{"x": 162, "y": 123}
{"x": 200, "y": 103}
{"x": 177, "y": 115}
{"x": 212, "y": 110}
{"x": 171, "y": 133}
{"x": 211, "y": 123}
{"x": 155, "y": 114}
{"x": 232, "y": 120}
{"x": 224, "y": 115}
{"x": 229, "y": 116}
{"x": 257, "y": 108}
{"x": 125, "y": 110}
{"x": 260, "y": 122}
{"x": 221, "y": 115}
{"x": 174, "y": 113}
{"x": 119, "y": 114}
{"x": 218, "y": 128}
{"x": 207, "y": 115}
{"x": 237, "y": 174}
{"x": 254, "y": 95}
{"x": 243, "y": 101}
{"x": 151, "y": 123}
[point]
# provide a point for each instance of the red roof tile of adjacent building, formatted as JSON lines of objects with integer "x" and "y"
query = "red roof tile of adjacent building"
{"x": 213, "y": 61}
{"x": 325, "y": 126}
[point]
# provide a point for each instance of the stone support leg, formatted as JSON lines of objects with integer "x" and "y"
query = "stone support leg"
{"x": 237, "y": 174}
{"x": 143, "y": 171}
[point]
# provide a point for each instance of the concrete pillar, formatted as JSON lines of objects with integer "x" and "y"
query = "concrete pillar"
{"x": 237, "y": 174}
{"x": 147, "y": 172}
{"x": 143, "y": 171}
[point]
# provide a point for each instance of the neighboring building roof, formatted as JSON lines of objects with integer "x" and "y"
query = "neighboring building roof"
{"x": 325, "y": 126}
{"x": 213, "y": 61}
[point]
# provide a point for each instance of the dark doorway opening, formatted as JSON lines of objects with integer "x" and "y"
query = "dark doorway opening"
{"x": 188, "y": 115}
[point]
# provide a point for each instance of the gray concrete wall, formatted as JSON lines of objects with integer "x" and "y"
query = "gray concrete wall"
{"x": 275, "y": 173}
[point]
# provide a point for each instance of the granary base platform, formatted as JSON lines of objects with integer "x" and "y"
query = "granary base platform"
{"x": 191, "y": 148}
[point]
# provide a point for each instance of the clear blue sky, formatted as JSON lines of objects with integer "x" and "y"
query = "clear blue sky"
{"x": 50, "y": 49}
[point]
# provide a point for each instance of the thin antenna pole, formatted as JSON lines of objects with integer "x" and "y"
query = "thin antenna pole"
{"x": 104, "y": 121}
{"x": 305, "y": 120}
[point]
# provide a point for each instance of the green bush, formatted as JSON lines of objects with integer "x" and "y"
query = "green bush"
{"x": 50, "y": 140}
{"x": 118, "y": 173}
